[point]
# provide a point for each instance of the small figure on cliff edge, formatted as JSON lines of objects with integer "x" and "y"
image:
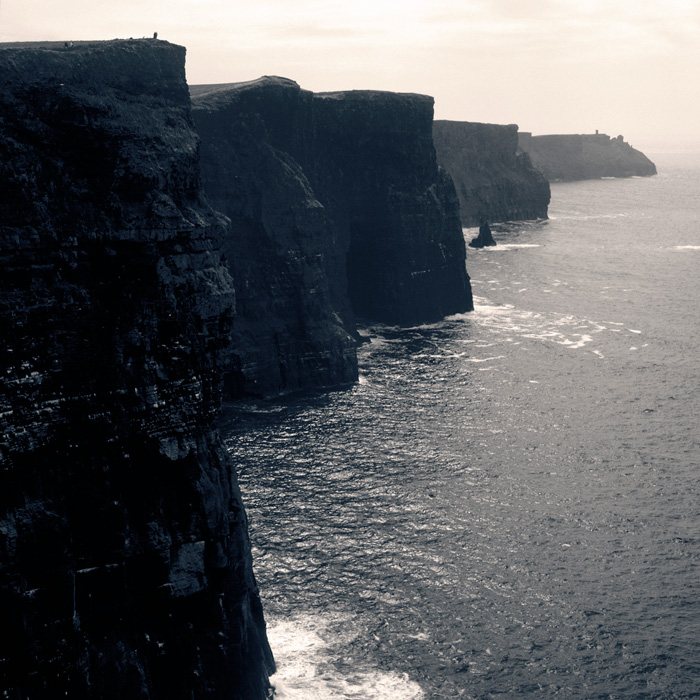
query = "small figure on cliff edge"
{"x": 484, "y": 238}
{"x": 155, "y": 35}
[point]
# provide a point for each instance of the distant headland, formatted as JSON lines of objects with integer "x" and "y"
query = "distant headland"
{"x": 584, "y": 156}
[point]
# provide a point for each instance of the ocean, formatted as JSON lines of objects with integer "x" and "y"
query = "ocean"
{"x": 507, "y": 504}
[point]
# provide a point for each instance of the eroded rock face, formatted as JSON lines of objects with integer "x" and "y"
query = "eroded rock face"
{"x": 125, "y": 567}
{"x": 338, "y": 209}
{"x": 585, "y": 156}
{"x": 406, "y": 258}
{"x": 294, "y": 327}
{"x": 494, "y": 181}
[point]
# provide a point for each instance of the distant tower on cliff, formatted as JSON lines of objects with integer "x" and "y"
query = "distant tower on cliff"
{"x": 155, "y": 35}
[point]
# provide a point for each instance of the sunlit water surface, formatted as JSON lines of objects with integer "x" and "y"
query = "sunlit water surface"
{"x": 507, "y": 504}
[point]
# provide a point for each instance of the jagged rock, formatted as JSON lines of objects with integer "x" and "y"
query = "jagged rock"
{"x": 125, "y": 566}
{"x": 338, "y": 208}
{"x": 493, "y": 180}
{"x": 585, "y": 156}
{"x": 485, "y": 237}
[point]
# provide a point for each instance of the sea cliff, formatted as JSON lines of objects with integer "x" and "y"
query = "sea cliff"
{"x": 294, "y": 327}
{"x": 125, "y": 566}
{"x": 494, "y": 181}
{"x": 338, "y": 210}
{"x": 585, "y": 156}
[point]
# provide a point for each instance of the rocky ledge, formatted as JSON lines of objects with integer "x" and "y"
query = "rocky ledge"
{"x": 338, "y": 210}
{"x": 585, "y": 156}
{"x": 494, "y": 181}
{"x": 125, "y": 568}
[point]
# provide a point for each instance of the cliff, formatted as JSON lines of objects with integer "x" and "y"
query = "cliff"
{"x": 294, "y": 327}
{"x": 338, "y": 209}
{"x": 383, "y": 185}
{"x": 125, "y": 567}
{"x": 585, "y": 156}
{"x": 493, "y": 180}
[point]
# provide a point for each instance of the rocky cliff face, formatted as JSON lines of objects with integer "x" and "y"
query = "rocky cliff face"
{"x": 406, "y": 258}
{"x": 338, "y": 208}
{"x": 125, "y": 567}
{"x": 585, "y": 156}
{"x": 493, "y": 180}
{"x": 294, "y": 327}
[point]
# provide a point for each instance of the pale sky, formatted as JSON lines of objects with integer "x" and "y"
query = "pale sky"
{"x": 628, "y": 67}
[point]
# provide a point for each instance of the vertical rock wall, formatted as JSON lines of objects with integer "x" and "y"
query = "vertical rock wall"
{"x": 294, "y": 327}
{"x": 406, "y": 258}
{"x": 125, "y": 568}
{"x": 338, "y": 209}
{"x": 493, "y": 180}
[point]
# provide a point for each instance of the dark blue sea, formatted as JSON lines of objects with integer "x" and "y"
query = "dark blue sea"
{"x": 508, "y": 503}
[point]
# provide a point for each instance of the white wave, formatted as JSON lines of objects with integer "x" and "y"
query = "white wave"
{"x": 305, "y": 648}
{"x": 485, "y": 359}
{"x": 511, "y": 246}
{"x": 563, "y": 329}
{"x": 686, "y": 247}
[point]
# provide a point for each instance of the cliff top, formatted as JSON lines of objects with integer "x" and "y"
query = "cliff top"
{"x": 126, "y": 64}
{"x": 449, "y": 122}
{"x": 263, "y": 81}
{"x": 372, "y": 95}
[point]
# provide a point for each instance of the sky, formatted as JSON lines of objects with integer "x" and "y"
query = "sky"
{"x": 629, "y": 67}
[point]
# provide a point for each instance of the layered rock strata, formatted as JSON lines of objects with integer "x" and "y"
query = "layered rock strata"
{"x": 338, "y": 210}
{"x": 585, "y": 156}
{"x": 494, "y": 181}
{"x": 125, "y": 567}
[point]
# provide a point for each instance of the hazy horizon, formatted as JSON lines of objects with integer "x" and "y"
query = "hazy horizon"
{"x": 550, "y": 66}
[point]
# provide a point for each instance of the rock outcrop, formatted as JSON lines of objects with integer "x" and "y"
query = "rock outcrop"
{"x": 294, "y": 327}
{"x": 125, "y": 567}
{"x": 485, "y": 237}
{"x": 338, "y": 210}
{"x": 585, "y": 156}
{"x": 494, "y": 181}
{"x": 406, "y": 259}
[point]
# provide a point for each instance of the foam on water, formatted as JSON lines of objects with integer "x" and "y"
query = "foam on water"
{"x": 305, "y": 647}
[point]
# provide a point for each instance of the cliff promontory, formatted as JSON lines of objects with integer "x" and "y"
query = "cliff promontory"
{"x": 494, "y": 181}
{"x": 338, "y": 210}
{"x": 585, "y": 156}
{"x": 294, "y": 327}
{"x": 125, "y": 568}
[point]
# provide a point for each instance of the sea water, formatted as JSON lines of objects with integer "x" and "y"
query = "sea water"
{"x": 507, "y": 503}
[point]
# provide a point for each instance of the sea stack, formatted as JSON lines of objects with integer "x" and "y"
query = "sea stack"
{"x": 125, "y": 566}
{"x": 485, "y": 237}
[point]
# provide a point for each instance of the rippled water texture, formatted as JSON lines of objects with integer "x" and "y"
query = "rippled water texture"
{"x": 507, "y": 504}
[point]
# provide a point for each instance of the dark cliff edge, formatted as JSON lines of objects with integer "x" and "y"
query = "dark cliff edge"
{"x": 585, "y": 156}
{"x": 293, "y": 328}
{"x": 338, "y": 210}
{"x": 125, "y": 566}
{"x": 494, "y": 181}
{"x": 406, "y": 259}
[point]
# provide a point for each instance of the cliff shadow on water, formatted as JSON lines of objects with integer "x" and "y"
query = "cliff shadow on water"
{"x": 338, "y": 210}
{"x": 125, "y": 567}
